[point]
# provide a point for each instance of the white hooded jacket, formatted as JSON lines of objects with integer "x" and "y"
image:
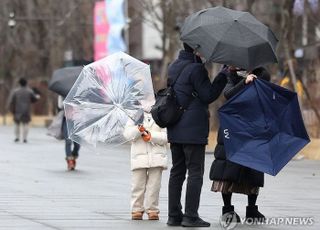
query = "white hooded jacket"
{"x": 147, "y": 154}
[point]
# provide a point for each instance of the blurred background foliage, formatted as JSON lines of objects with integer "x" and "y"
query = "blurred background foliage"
{"x": 39, "y": 36}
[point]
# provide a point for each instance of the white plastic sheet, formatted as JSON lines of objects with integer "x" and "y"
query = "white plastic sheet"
{"x": 106, "y": 95}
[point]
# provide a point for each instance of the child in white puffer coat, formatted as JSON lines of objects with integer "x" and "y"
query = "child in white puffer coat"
{"x": 148, "y": 159}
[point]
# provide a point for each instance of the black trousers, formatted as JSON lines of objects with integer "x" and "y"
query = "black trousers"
{"x": 186, "y": 157}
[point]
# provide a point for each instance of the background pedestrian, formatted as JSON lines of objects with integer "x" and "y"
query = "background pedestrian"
{"x": 71, "y": 148}
{"x": 19, "y": 103}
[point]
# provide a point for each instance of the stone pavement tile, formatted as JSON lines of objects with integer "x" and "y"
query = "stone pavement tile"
{"x": 36, "y": 191}
{"x": 10, "y": 221}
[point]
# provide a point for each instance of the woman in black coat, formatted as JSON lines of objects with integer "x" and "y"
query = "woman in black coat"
{"x": 229, "y": 177}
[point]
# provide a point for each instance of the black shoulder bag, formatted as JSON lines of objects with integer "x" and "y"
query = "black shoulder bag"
{"x": 167, "y": 111}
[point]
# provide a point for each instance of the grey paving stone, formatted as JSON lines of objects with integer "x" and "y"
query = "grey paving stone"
{"x": 37, "y": 193}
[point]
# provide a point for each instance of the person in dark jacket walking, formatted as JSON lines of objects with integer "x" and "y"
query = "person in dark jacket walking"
{"x": 229, "y": 177}
{"x": 189, "y": 136}
{"x": 71, "y": 148}
{"x": 19, "y": 104}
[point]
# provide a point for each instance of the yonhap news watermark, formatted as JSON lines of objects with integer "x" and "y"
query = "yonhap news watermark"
{"x": 229, "y": 222}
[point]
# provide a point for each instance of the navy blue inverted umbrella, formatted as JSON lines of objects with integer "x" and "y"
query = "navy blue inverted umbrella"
{"x": 263, "y": 127}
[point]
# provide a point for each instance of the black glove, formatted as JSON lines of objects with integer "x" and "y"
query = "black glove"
{"x": 225, "y": 70}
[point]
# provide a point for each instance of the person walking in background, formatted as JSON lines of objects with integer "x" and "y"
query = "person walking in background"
{"x": 19, "y": 104}
{"x": 71, "y": 148}
{"x": 229, "y": 177}
{"x": 189, "y": 136}
{"x": 148, "y": 160}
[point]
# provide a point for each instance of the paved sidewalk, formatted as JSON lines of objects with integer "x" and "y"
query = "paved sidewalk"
{"x": 37, "y": 193}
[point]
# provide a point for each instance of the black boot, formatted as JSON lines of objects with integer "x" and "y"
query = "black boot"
{"x": 228, "y": 214}
{"x": 253, "y": 215}
{"x": 194, "y": 222}
{"x": 174, "y": 221}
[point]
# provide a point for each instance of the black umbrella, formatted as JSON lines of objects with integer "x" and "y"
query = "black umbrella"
{"x": 230, "y": 37}
{"x": 63, "y": 79}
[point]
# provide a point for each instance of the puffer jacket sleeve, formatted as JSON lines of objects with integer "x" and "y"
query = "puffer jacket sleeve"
{"x": 207, "y": 91}
{"x": 159, "y": 137}
{"x": 233, "y": 86}
{"x": 131, "y": 132}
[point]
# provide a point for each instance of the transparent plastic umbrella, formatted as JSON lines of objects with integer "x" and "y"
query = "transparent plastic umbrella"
{"x": 107, "y": 94}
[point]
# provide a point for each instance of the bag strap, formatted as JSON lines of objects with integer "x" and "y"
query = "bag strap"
{"x": 180, "y": 72}
{"x": 193, "y": 94}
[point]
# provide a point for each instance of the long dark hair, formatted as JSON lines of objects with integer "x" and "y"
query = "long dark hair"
{"x": 262, "y": 73}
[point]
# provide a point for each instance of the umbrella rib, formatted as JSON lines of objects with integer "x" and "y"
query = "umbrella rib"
{"x": 96, "y": 123}
{"x": 101, "y": 105}
{"x": 91, "y": 123}
{"x": 230, "y": 13}
{"x": 259, "y": 35}
{"x": 139, "y": 69}
{"x": 219, "y": 41}
{"x": 260, "y": 102}
{"x": 253, "y": 137}
{"x": 222, "y": 35}
{"x": 253, "y": 18}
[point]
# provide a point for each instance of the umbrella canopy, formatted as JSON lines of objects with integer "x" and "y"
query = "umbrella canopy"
{"x": 230, "y": 37}
{"x": 63, "y": 79}
{"x": 107, "y": 94}
{"x": 263, "y": 127}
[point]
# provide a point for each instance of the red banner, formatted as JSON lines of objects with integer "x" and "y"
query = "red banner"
{"x": 101, "y": 30}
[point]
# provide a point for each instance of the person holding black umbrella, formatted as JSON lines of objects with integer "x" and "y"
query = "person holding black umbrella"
{"x": 211, "y": 33}
{"x": 61, "y": 82}
{"x": 71, "y": 148}
{"x": 229, "y": 177}
{"x": 189, "y": 136}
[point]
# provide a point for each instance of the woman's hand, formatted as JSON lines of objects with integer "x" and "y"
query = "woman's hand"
{"x": 250, "y": 78}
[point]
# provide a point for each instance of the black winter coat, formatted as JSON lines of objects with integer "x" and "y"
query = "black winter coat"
{"x": 193, "y": 127}
{"x": 223, "y": 169}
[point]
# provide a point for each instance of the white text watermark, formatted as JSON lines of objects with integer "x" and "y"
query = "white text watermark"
{"x": 229, "y": 221}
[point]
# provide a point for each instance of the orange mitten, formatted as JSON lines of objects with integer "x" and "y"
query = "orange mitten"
{"x": 141, "y": 128}
{"x": 146, "y": 136}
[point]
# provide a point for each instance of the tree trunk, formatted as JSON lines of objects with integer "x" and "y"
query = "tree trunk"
{"x": 314, "y": 108}
{"x": 287, "y": 38}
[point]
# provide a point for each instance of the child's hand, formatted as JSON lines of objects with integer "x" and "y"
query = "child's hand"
{"x": 141, "y": 128}
{"x": 146, "y": 136}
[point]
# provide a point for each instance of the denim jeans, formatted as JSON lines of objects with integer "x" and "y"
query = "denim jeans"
{"x": 71, "y": 148}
